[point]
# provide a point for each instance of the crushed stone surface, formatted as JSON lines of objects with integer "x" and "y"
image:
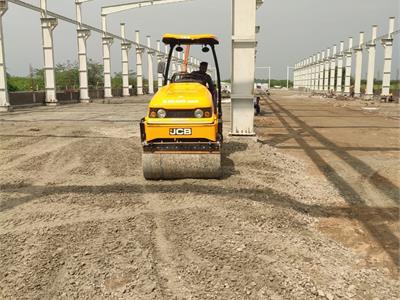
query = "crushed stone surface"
{"x": 77, "y": 220}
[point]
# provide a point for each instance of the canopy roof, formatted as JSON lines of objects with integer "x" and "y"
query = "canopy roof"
{"x": 190, "y": 39}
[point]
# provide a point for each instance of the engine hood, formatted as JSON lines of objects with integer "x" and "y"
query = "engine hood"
{"x": 182, "y": 96}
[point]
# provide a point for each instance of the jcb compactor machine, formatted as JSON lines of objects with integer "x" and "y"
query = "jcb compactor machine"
{"x": 182, "y": 131}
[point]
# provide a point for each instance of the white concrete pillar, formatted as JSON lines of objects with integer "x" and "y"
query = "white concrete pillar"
{"x": 359, "y": 60}
{"x": 321, "y": 71}
{"x": 388, "y": 52}
{"x": 243, "y": 66}
{"x": 82, "y": 34}
{"x": 316, "y": 78}
{"x": 349, "y": 55}
{"x": 159, "y": 59}
{"x": 150, "y": 75}
{"x": 339, "y": 74}
{"x": 314, "y": 72}
{"x": 300, "y": 74}
{"x": 139, "y": 67}
{"x": 369, "y": 92}
{"x": 327, "y": 68}
{"x": 4, "y": 99}
{"x": 307, "y": 74}
{"x": 125, "y": 46}
{"x": 107, "y": 41}
{"x": 333, "y": 69}
{"x": 179, "y": 64}
{"x": 310, "y": 77}
{"x": 174, "y": 65}
{"x": 295, "y": 76}
{"x": 48, "y": 25}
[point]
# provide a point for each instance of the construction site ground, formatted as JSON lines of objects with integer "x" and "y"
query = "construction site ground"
{"x": 309, "y": 209}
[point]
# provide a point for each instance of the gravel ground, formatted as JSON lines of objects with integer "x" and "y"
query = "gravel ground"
{"x": 77, "y": 219}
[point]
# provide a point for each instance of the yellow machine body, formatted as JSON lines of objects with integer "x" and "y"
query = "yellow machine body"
{"x": 178, "y": 97}
{"x": 180, "y": 142}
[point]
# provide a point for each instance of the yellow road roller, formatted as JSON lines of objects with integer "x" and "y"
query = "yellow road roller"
{"x": 182, "y": 132}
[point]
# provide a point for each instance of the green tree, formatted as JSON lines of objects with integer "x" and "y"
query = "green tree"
{"x": 67, "y": 76}
{"x": 10, "y": 85}
{"x": 95, "y": 74}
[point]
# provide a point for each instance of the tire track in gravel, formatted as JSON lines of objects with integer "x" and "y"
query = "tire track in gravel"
{"x": 164, "y": 249}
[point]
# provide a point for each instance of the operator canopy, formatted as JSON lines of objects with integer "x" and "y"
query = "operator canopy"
{"x": 190, "y": 39}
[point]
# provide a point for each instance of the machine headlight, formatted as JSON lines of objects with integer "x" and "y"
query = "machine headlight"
{"x": 198, "y": 113}
{"x": 161, "y": 113}
{"x": 153, "y": 114}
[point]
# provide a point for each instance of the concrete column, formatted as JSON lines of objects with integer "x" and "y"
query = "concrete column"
{"x": 174, "y": 65}
{"x": 139, "y": 67}
{"x": 107, "y": 42}
{"x": 326, "y": 72}
{"x": 300, "y": 74}
{"x": 295, "y": 76}
{"x": 48, "y": 25}
{"x": 243, "y": 66}
{"x": 83, "y": 35}
{"x": 307, "y": 74}
{"x": 310, "y": 74}
{"x": 159, "y": 59}
{"x": 333, "y": 69}
{"x": 125, "y": 46}
{"x": 4, "y": 100}
{"x": 359, "y": 60}
{"x": 339, "y": 68}
{"x": 316, "y": 76}
{"x": 321, "y": 71}
{"x": 179, "y": 64}
{"x": 387, "y": 67}
{"x": 347, "y": 80}
{"x": 150, "y": 75}
{"x": 369, "y": 92}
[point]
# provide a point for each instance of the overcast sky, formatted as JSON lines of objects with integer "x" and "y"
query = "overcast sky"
{"x": 290, "y": 29}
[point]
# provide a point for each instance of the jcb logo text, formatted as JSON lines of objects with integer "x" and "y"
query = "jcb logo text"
{"x": 180, "y": 131}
